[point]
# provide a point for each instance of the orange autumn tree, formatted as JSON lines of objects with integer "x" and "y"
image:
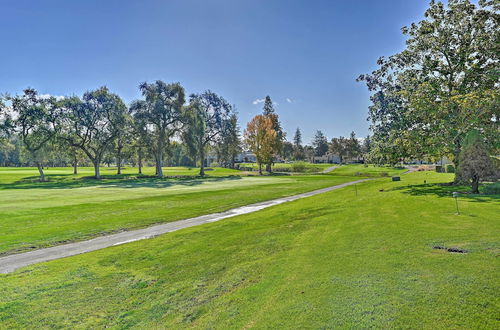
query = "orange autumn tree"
{"x": 260, "y": 137}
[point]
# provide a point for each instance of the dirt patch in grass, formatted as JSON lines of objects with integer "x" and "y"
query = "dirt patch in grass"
{"x": 450, "y": 249}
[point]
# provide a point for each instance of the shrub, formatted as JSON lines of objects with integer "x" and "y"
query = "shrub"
{"x": 281, "y": 169}
{"x": 492, "y": 189}
{"x": 298, "y": 166}
{"x": 450, "y": 168}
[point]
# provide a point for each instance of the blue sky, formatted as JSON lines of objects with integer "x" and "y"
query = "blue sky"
{"x": 305, "y": 54}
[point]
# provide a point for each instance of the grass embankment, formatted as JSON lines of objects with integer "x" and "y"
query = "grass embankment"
{"x": 70, "y": 208}
{"x": 329, "y": 261}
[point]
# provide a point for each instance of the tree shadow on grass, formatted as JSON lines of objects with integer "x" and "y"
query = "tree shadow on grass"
{"x": 64, "y": 181}
{"x": 444, "y": 190}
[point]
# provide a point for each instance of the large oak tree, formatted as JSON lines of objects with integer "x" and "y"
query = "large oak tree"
{"x": 93, "y": 123}
{"x": 162, "y": 115}
{"x": 443, "y": 85}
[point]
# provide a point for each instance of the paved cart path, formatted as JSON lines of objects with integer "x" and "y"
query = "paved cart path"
{"x": 12, "y": 262}
{"x": 329, "y": 169}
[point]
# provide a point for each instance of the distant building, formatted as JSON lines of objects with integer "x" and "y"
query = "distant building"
{"x": 245, "y": 157}
{"x": 328, "y": 158}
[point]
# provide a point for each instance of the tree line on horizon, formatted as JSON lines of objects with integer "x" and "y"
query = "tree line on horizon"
{"x": 161, "y": 128}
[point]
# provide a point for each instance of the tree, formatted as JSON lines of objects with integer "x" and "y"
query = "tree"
{"x": 443, "y": 84}
{"x": 208, "y": 118}
{"x": 277, "y": 146}
{"x": 298, "y": 150}
{"x": 123, "y": 140}
{"x": 475, "y": 163}
{"x": 93, "y": 123}
{"x": 36, "y": 122}
{"x": 338, "y": 146}
{"x": 353, "y": 146}
{"x": 6, "y": 123}
{"x": 141, "y": 139}
{"x": 260, "y": 137}
{"x": 229, "y": 144}
{"x": 308, "y": 152}
{"x": 288, "y": 150}
{"x": 320, "y": 144}
{"x": 162, "y": 114}
{"x": 297, "y": 138}
{"x": 366, "y": 147}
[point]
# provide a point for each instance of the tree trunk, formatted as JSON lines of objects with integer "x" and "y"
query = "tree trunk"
{"x": 139, "y": 154}
{"x": 202, "y": 163}
{"x": 40, "y": 170}
{"x": 159, "y": 161}
{"x": 475, "y": 185}
{"x": 456, "y": 162}
{"x": 75, "y": 166}
{"x": 119, "y": 162}
{"x": 97, "y": 170}
{"x": 269, "y": 168}
{"x": 260, "y": 169}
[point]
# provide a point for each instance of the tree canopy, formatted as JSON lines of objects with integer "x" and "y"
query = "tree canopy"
{"x": 444, "y": 84}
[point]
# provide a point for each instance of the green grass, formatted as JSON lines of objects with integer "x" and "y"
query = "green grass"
{"x": 27, "y": 175}
{"x": 367, "y": 170}
{"x": 310, "y": 167}
{"x": 71, "y": 208}
{"x": 329, "y": 261}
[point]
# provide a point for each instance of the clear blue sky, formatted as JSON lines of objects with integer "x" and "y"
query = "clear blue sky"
{"x": 307, "y": 51}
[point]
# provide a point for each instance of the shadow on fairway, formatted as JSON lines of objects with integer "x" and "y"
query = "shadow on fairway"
{"x": 444, "y": 190}
{"x": 64, "y": 181}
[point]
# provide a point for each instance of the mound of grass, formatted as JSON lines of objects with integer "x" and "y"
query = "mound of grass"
{"x": 336, "y": 260}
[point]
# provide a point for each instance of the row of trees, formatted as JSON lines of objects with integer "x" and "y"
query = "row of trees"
{"x": 444, "y": 85}
{"x": 100, "y": 123}
{"x": 265, "y": 137}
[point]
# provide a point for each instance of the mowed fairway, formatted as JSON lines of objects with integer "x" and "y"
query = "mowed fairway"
{"x": 335, "y": 260}
{"x": 70, "y": 208}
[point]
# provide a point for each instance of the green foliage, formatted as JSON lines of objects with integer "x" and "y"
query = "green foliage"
{"x": 450, "y": 168}
{"x": 299, "y": 167}
{"x": 161, "y": 113}
{"x": 492, "y": 188}
{"x": 442, "y": 85}
{"x": 320, "y": 144}
{"x": 93, "y": 123}
{"x": 475, "y": 164}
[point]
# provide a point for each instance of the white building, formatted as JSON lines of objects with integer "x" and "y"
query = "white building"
{"x": 246, "y": 157}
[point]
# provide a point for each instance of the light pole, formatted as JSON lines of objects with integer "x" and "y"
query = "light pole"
{"x": 455, "y": 195}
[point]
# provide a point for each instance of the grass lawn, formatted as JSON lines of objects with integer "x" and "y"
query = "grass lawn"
{"x": 329, "y": 261}
{"x": 28, "y": 175}
{"x": 70, "y": 208}
{"x": 367, "y": 170}
{"x": 310, "y": 167}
